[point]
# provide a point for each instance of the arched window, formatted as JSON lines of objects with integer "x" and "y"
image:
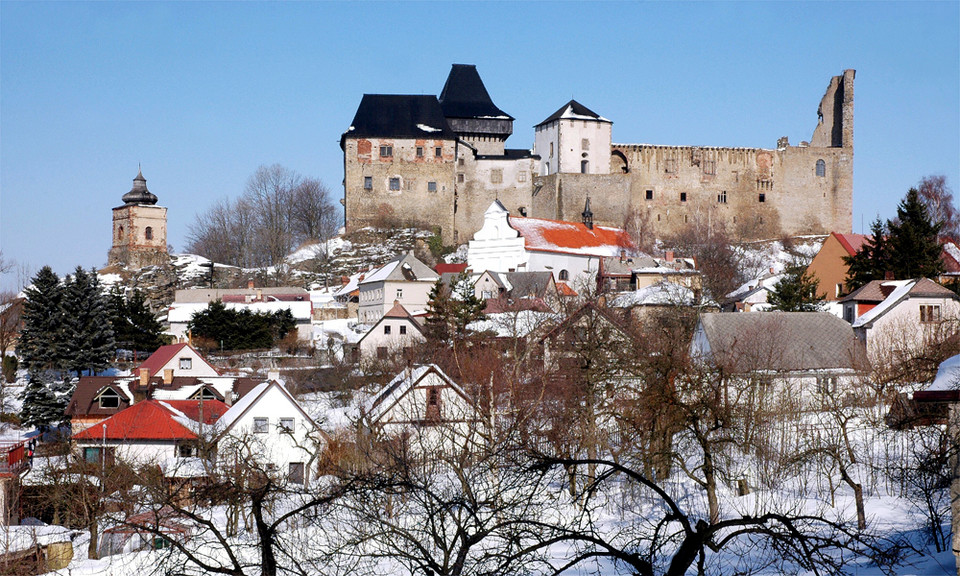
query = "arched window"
{"x": 564, "y": 275}
{"x": 821, "y": 168}
{"x": 546, "y": 169}
{"x": 584, "y": 167}
{"x": 120, "y": 233}
{"x": 148, "y": 233}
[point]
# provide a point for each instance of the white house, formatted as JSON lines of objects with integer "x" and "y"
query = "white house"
{"x": 270, "y": 427}
{"x": 569, "y": 250}
{"x": 404, "y": 280}
{"x": 395, "y": 332}
{"x": 914, "y": 314}
{"x": 427, "y": 409}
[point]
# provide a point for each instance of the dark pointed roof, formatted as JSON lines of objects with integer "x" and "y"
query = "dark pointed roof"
{"x": 139, "y": 193}
{"x": 399, "y": 116}
{"x": 465, "y": 96}
{"x": 574, "y": 110}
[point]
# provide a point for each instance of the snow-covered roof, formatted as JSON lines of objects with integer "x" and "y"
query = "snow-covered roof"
{"x": 377, "y": 406}
{"x": 948, "y": 375}
{"x": 571, "y": 237}
{"x": 902, "y": 288}
{"x": 183, "y": 312}
{"x": 513, "y": 324}
{"x": 402, "y": 268}
{"x": 662, "y": 293}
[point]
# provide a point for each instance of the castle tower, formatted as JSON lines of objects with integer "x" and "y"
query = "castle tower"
{"x": 139, "y": 229}
{"x": 472, "y": 114}
{"x": 573, "y": 140}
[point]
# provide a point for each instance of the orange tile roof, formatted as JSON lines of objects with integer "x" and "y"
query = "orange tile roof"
{"x": 565, "y": 290}
{"x": 571, "y": 237}
{"x": 150, "y": 420}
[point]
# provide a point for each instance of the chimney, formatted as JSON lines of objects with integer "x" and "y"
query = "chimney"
{"x": 888, "y": 275}
{"x": 249, "y": 284}
{"x": 168, "y": 375}
{"x": 273, "y": 375}
{"x": 623, "y": 256}
{"x": 669, "y": 256}
{"x": 144, "y": 377}
{"x": 259, "y": 295}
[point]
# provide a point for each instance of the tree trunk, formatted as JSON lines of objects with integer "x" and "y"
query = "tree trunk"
{"x": 93, "y": 528}
{"x": 268, "y": 561}
{"x": 710, "y": 479}
{"x": 857, "y": 495}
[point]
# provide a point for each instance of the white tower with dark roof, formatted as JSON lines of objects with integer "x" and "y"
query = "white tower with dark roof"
{"x": 139, "y": 229}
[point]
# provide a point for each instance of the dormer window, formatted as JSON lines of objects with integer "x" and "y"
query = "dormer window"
{"x": 109, "y": 399}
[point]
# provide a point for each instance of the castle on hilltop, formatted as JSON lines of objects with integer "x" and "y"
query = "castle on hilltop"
{"x": 440, "y": 162}
{"x": 139, "y": 229}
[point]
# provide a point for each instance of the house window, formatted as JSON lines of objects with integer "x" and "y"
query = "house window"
{"x": 148, "y": 233}
{"x": 763, "y": 197}
{"x": 109, "y": 399}
{"x": 261, "y": 425}
{"x": 433, "y": 402}
{"x": 585, "y": 144}
{"x": 670, "y": 166}
{"x": 722, "y": 197}
{"x": 438, "y": 152}
{"x": 564, "y": 275}
{"x": 929, "y": 314}
{"x": 287, "y": 424}
{"x": 382, "y": 352}
{"x": 649, "y": 194}
{"x": 185, "y": 451}
{"x": 403, "y": 330}
{"x": 386, "y": 151}
{"x": 386, "y": 328}
{"x": 97, "y": 455}
{"x": 186, "y": 363}
{"x": 431, "y": 186}
{"x": 419, "y": 151}
{"x": 394, "y": 183}
{"x": 821, "y": 168}
{"x": 399, "y": 294}
{"x": 496, "y": 176}
{"x": 368, "y": 182}
{"x": 460, "y": 177}
{"x": 584, "y": 167}
{"x": 295, "y": 473}
{"x": 827, "y": 384}
{"x": 683, "y": 196}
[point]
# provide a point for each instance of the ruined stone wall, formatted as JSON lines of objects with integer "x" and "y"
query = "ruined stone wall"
{"x": 131, "y": 245}
{"x": 413, "y": 202}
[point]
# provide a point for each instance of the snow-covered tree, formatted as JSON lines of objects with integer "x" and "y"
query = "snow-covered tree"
{"x": 41, "y": 337}
{"x": 88, "y": 342}
{"x": 41, "y": 407}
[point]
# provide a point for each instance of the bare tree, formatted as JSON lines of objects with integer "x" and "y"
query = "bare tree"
{"x": 315, "y": 217}
{"x": 938, "y": 198}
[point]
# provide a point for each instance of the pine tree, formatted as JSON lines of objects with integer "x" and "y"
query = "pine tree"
{"x": 437, "y": 327}
{"x": 914, "y": 245}
{"x": 134, "y": 326}
{"x": 872, "y": 261}
{"x": 88, "y": 335}
{"x": 451, "y": 309}
{"x": 41, "y": 407}
{"x": 796, "y": 292}
{"x": 40, "y": 341}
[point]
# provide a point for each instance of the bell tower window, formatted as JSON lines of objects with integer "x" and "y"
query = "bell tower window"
{"x": 148, "y": 233}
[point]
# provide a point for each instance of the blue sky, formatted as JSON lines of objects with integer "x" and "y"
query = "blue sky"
{"x": 201, "y": 94}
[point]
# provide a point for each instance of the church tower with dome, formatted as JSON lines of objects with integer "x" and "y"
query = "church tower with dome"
{"x": 139, "y": 229}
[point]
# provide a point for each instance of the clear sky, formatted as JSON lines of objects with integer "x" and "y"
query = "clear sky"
{"x": 200, "y": 94}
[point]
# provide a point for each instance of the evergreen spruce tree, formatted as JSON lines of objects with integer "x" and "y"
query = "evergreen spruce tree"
{"x": 796, "y": 292}
{"x": 467, "y": 306}
{"x": 41, "y": 407}
{"x": 872, "y": 261}
{"x": 913, "y": 245}
{"x": 88, "y": 341}
{"x": 437, "y": 328}
{"x": 134, "y": 325}
{"x": 41, "y": 338}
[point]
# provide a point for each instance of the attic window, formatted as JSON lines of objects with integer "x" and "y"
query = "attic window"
{"x": 287, "y": 424}
{"x": 261, "y": 425}
{"x": 109, "y": 399}
{"x": 386, "y": 151}
{"x": 186, "y": 363}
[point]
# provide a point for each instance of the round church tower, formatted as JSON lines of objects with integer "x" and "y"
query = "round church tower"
{"x": 139, "y": 229}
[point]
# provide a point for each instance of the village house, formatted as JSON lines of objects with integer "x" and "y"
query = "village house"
{"x": 571, "y": 251}
{"x": 625, "y": 273}
{"x": 828, "y": 267}
{"x": 394, "y": 334}
{"x": 404, "y": 280}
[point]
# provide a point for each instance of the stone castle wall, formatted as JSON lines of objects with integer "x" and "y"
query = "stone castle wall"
{"x": 131, "y": 245}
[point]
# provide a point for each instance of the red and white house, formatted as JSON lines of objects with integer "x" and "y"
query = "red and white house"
{"x": 570, "y": 250}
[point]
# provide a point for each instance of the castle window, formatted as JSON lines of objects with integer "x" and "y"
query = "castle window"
{"x": 551, "y": 149}
{"x": 710, "y": 167}
{"x": 386, "y": 151}
{"x": 419, "y": 151}
{"x": 438, "y": 152}
{"x": 763, "y": 197}
{"x": 585, "y": 144}
{"x": 368, "y": 182}
{"x": 683, "y": 196}
{"x": 671, "y": 166}
{"x": 460, "y": 162}
{"x": 584, "y": 167}
{"x": 522, "y": 176}
{"x": 431, "y": 186}
{"x": 564, "y": 275}
{"x": 496, "y": 176}
{"x": 120, "y": 233}
{"x": 460, "y": 177}
{"x": 722, "y": 197}
{"x": 394, "y": 183}
{"x": 649, "y": 194}
{"x": 546, "y": 169}
{"x": 821, "y": 168}
{"x": 148, "y": 233}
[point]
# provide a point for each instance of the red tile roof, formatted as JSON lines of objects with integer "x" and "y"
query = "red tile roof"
{"x": 571, "y": 237}
{"x": 851, "y": 242}
{"x": 950, "y": 256}
{"x": 444, "y": 268}
{"x": 148, "y": 420}
{"x": 565, "y": 290}
{"x": 164, "y": 354}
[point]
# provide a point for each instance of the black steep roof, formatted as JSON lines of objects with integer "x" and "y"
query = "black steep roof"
{"x": 575, "y": 108}
{"x": 465, "y": 96}
{"x": 399, "y": 116}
